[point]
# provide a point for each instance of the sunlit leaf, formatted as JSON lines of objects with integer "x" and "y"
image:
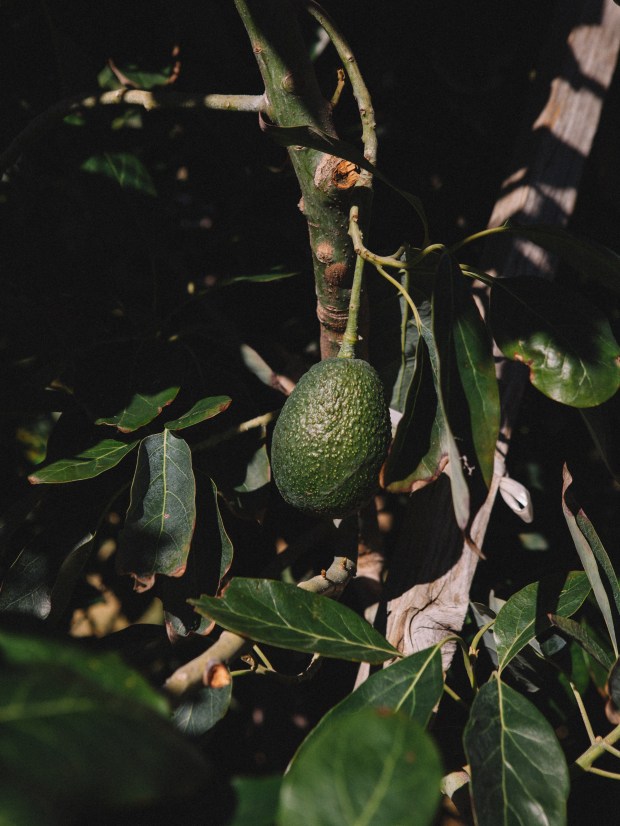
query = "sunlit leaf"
{"x": 565, "y": 341}
{"x": 592, "y": 555}
{"x": 413, "y": 686}
{"x": 124, "y": 168}
{"x": 200, "y": 412}
{"x": 368, "y": 767}
{"x": 525, "y": 614}
{"x": 519, "y": 772}
{"x": 90, "y": 462}
{"x": 288, "y": 617}
{"x": 141, "y": 409}
{"x": 162, "y": 512}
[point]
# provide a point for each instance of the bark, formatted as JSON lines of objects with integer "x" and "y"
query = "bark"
{"x": 293, "y": 98}
{"x": 427, "y": 593}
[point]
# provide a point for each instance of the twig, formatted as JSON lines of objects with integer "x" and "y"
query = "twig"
{"x": 237, "y": 430}
{"x": 129, "y": 97}
{"x": 230, "y": 646}
{"x": 338, "y": 90}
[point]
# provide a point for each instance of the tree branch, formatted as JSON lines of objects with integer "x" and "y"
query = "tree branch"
{"x": 129, "y": 97}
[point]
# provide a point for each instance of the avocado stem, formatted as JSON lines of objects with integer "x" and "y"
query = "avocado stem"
{"x": 350, "y": 337}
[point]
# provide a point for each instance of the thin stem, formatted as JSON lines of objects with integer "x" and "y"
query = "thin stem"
{"x": 478, "y": 275}
{"x": 473, "y": 648}
{"x": 604, "y": 773}
{"x": 231, "y": 433}
{"x": 261, "y": 656}
{"x": 404, "y": 294}
{"x": 456, "y": 697}
{"x": 360, "y": 90}
{"x": 351, "y": 335}
{"x": 339, "y": 88}
{"x": 597, "y": 748}
{"x": 609, "y": 749}
{"x": 584, "y": 714}
{"x": 484, "y": 233}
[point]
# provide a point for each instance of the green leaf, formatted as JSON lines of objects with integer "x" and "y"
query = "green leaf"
{"x": 162, "y": 511}
{"x": 68, "y": 576}
{"x": 313, "y": 138}
{"x": 126, "y": 169}
{"x": 105, "y": 671}
{"x": 565, "y": 341}
{"x": 141, "y": 409}
{"x": 416, "y": 452}
{"x": 581, "y": 634}
{"x": 199, "y": 713}
{"x": 476, "y": 366}
{"x": 87, "y": 464}
{"x": 208, "y": 562}
{"x": 592, "y": 555}
{"x": 289, "y": 617}
{"x": 445, "y": 306}
{"x": 370, "y": 767}
{"x": 413, "y": 686}
{"x": 257, "y": 800}
{"x": 200, "y": 412}
{"x": 75, "y": 728}
{"x": 518, "y": 769}
{"x": 525, "y": 614}
{"x": 261, "y": 278}
{"x": 251, "y": 498}
{"x": 613, "y": 683}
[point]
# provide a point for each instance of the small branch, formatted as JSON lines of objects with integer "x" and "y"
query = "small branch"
{"x": 230, "y": 646}
{"x": 360, "y": 90}
{"x": 128, "y": 97}
{"x": 598, "y": 748}
{"x": 232, "y": 432}
{"x": 338, "y": 90}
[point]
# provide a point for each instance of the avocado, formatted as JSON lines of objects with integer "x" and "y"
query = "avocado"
{"x": 331, "y": 438}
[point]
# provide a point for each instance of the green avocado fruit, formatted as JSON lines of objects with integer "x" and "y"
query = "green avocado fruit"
{"x": 331, "y": 438}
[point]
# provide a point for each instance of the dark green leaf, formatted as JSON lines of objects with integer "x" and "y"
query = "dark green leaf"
{"x": 251, "y": 497}
{"x": 126, "y": 169}
{"x": 75, "y": 729}
{"x": 140, "y": 410}
{"x": 592, "y": 555}
{"x": 566, "y": 342}
{"x": 262, "y": 278}
{"x": 525, "y": 614}
{"x": 416, "y": 453}
{"x": 208, "y": 562}
{"x": 257, "y": 801}
{"x": 87, "y": 464}
{"x": 200, "y": 412}
{"x": 105, "y": 671}
{"x": 581, "y": 634}
{"x": 446, "y": 308}
{"x": 288, "y": 617}
{"x": 519, "y": 773}
{"x": 412, "y": 686}
{"x": 202, "y": 711}
{"x": 371, "y": 767}
{"x": 68, "y": 576}
{"x": 313, "y": 138}
{"x": 162, "y": 511}
{"x": 476, "y": 366}
{"x": 614, "y": 684}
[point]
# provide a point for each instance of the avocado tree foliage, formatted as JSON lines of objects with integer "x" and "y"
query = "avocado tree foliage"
{"x": 145, "y": 439}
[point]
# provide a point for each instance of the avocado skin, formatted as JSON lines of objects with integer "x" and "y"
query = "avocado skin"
{"x": 331, "y": 438}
